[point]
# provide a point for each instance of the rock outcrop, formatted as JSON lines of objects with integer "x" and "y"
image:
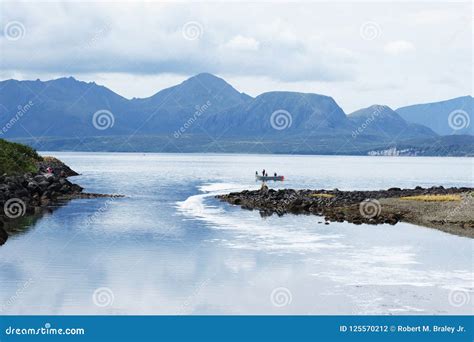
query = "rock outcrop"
{"x": 30, "y": 193}
{"x": 58, "y": 167}
{"x": 20, "y": 194}
{"x": 338, "y": 206}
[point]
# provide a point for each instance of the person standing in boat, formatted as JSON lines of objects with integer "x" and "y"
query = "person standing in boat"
{"x": 263, "y": 173}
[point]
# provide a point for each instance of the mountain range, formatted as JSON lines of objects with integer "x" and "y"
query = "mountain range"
{"x": 206, "y": 114}
{"x": 436, "y": 115}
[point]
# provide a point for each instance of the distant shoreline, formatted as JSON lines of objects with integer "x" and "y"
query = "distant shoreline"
{"x": 443, "y": 146}
{"x": 246, "y": 153}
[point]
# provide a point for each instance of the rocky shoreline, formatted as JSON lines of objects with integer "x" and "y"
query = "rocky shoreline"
{"x": 366, "y": 207}
{"x": 59, "y": 168}
{"x": 30, "y": 193}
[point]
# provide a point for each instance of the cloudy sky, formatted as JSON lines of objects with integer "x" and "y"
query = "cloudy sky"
{"x": 360, "y": 53}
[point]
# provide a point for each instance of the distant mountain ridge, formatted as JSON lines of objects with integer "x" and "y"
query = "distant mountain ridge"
{"x": 61, "y": 107}
{"x": 193, "y": 90}
{"x": 203, "y": 112}
{"x": 453, "y": 116}
{"x": 273, "y": 112}
{"x": 382, "y": 119}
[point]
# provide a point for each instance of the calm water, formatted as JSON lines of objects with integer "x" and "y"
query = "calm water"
{"x": 170, "y": 248}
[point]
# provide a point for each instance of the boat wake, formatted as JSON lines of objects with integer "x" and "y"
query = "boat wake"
{"x": 195, "y": 207}
{"x": 249, "y": 230}
{"x": 360, "y": 261}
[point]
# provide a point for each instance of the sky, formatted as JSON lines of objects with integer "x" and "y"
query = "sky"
{"x": 360, "y": 53}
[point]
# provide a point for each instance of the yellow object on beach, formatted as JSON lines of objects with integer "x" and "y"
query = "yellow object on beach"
{"x": 432, "y": 198}
{"x": 322, "y": 195}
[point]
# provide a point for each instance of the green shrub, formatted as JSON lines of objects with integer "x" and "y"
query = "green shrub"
{"x": 17, "y": 158}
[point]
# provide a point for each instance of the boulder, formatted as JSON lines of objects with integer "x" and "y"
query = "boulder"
{"x": 44, "y": 184}
{"x": 3, "y": 236}
{"x": 32, "y": 185}
{"x": 39, "y": 178}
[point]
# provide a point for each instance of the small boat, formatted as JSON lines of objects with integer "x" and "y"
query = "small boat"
{"x": 270, "y": 178}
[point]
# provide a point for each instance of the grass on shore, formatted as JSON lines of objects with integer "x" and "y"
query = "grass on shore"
{"x": 17, "y": 158}
{"x": 432, "y": 198}
{"x": 323, "y": 195}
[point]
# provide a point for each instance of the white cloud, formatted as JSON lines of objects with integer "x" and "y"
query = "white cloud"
{"x": 434, "y": 16}
{"x": 398, "y": 47}
{"x": 243, "y": 43}
{"x": 138, "y": 48}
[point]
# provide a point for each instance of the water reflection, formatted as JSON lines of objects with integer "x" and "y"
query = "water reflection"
{"x": 19, "y": 226}
{"x": 170, "y": 247}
